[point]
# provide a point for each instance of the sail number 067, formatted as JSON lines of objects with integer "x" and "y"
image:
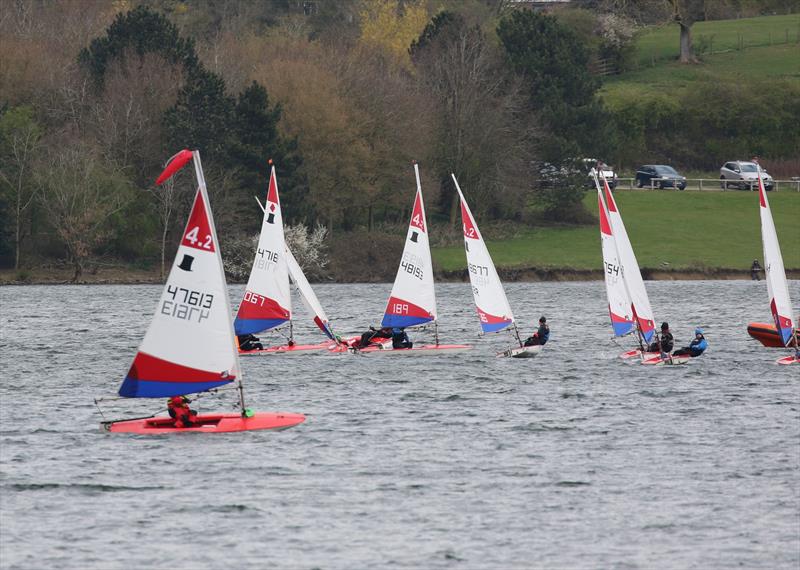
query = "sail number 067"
{"x": 193, "y": 238}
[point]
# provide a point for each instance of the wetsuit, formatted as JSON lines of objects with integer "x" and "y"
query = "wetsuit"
{"x": 367, "y": 337}
{"x": 541, "y": 336}
{"x": 249, "y": 342}
{"x": 400, "y": 339}
{"x": 667, "y": 342}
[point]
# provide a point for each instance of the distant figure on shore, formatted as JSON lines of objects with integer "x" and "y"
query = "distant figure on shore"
{"x": 696, "y": 347}
{"x": 755, "y": 271}
{"x": 540, "y": 336}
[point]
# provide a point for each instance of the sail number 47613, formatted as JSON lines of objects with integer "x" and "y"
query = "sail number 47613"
{"x": 187, "y": 304}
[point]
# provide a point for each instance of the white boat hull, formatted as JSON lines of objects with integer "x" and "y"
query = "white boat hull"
{"x": 521, "y": 352}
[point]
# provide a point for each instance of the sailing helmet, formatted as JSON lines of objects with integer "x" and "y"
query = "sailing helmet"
{"x": 542, "y": 319}
{"x": 664, "y": 326}
{"x": 699, "y": 331}
{"x": 176, "y": 400}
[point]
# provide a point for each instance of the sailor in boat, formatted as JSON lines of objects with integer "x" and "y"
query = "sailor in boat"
{"x": 373, "y": 333}
{"x": 178, "y": 408}
{"x": 400, "y": 339}
{"x": 663, "y": 342}
{"x": 541, "y": 335}
{"x": 696, "y": 347}
{"x": 249, "y": 342}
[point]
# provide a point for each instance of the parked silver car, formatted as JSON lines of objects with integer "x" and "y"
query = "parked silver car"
{"x": 743, "y": 175}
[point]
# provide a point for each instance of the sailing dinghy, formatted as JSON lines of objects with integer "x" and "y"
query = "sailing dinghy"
{"x": 628, "y": 303}
{"x": 267, "y": 301}
{"x": 412, "y": 301}
{"x": 190, "y": 346}
{"x": 780, "y": 304}
{"x": 491, "y": 303}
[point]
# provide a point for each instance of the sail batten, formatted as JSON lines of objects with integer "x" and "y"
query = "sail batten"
{"x": 413, "y": 298}
{"x": 490, "y": 298}
{"x": 266, "y": 302}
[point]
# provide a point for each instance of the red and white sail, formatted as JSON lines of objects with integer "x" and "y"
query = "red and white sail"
{"x": 778, "y": 288}
{"x": 413, "y": 299}
{"x": 491, "y": 302}
{"x": 189, "y": 346}
{"x": 619, "y": 302}
{"x": 267, "y": 301}
{"x": 640, "y": 303}
{"x": 307, "y": 295}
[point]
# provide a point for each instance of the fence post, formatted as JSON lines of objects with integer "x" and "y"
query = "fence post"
{"x": 701, "y": 185}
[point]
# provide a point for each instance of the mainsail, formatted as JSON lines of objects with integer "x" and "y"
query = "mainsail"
{"x": 413, "y": 299}
{"x": 619, "y": 302}
{"x": 490, "y": 297}
{"x": 267, "y": 301}
{"x": 189, "y": 346}
{"x": 779, "y": 303}
{"x": 307, "y": 295}
{"x": 640, "y": 303}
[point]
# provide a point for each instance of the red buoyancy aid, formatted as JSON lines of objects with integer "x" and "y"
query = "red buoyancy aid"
{"x": 179, "y": 410}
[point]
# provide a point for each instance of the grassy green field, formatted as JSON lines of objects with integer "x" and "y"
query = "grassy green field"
{"x": 686, "y": 230}
{"x": 667, "y": 77}
{"x": 659, "y": 43}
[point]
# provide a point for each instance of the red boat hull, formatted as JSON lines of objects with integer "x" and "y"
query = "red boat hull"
{"x": 286, "y": 349}
{"x": 417, "y": 350}
{"x": 209, "y": 423}
{"x": 767, "y": 335}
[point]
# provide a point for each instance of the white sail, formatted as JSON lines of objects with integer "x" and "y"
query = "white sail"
{"x": 778, "y": 288}
{"x": 307, "y": 295}
{"x": 413, "y": 298}
{"x": 189, "y": 346}
{"x": 642, "y": 312}
{"x": 267, "y": 301}
{"x": 619, "y": 302}
{"x": 491, "y": 302}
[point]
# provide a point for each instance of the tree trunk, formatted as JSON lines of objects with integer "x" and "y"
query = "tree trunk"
{"x": 163, "y": 250}
{"x": 78, "y": 269}
{"x": 687, "y": 52}
{"x": 454, "y": 210}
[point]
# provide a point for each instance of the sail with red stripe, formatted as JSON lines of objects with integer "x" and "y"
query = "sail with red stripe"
{"x": 189, "y": 346}
{"x": 777, "y": 287}
{"x": 491, "y": 302}
{"x": 307, "y": 295}
{"x": 619, "y": 302}
{"x": 267, "y": 302}
{"x": 640, "y": 302}
{"x": 413, "y": 299}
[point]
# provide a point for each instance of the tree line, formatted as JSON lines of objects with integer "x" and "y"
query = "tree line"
{"x": 342, "y": 96}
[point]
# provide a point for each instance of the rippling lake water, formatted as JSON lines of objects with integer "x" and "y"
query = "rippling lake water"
{"x": 573, "y": 459}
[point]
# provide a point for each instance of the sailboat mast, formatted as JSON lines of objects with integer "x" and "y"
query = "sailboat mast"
{"x": 201, "y": 181}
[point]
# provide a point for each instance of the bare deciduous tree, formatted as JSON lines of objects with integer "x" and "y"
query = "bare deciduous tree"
{"x": 80, "y": 196}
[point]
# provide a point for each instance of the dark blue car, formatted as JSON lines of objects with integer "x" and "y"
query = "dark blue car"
{"x": 659, "y": 176}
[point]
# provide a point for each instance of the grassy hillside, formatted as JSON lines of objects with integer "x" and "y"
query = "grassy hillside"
{"x": 683, "y": 230}
{"x": 659, "y": 74}
{"x": 662, "y": 43}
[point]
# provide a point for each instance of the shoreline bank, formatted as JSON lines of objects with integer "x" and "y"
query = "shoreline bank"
{"x": 509, "y": 275}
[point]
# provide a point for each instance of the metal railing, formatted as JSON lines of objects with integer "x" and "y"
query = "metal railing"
{"x": 711, "y": 184}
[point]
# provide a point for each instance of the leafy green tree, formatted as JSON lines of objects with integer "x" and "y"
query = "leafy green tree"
{"x": 255, "y": 140}
{"x": 553, "y": 63}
